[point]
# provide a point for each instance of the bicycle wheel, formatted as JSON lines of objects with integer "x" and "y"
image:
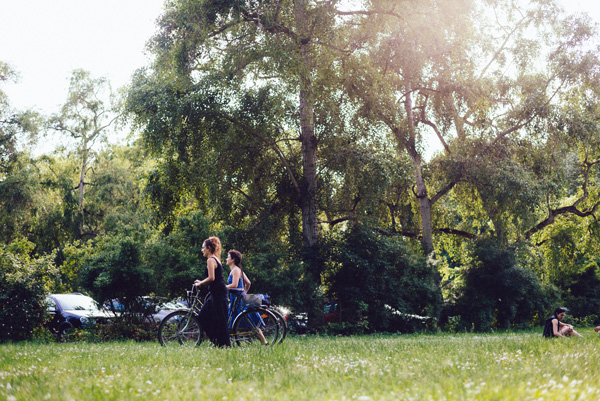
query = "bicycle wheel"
{"x": 283, "y": 328}
{"x": 255, "y": 327}
{"x": 179, "y": 328}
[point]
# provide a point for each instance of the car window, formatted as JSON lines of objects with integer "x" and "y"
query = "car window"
{"x": 330, "y": 307}
{"x": 76, "y": 302}
{"x": 51, "y": 304}
{"x": 170, "y": 305}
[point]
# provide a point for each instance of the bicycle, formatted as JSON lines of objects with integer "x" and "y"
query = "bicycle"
{"x": 183, "y": 327}
{"x": 283, "y": 326}
{"x": 264, "y": 302}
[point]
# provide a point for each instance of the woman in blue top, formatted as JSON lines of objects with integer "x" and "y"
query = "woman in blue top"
{"x": 213, "y": 315}
{"x": 238, "y": 284}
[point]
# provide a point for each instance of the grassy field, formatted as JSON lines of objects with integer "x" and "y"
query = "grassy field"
{"x": 505, "y": 366}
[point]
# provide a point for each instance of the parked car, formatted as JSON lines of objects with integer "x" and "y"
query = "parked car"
{"x": 331, "y": 312}
{"x": 150, "y": 307}
{"x": 298, "y": 322}
{"x": 73, "y": 311}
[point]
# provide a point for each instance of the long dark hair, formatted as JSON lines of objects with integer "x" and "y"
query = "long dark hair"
{"x": 560, "y": 310}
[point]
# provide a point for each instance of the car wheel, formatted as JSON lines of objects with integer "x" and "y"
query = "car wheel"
{"x": 63, "y": 331}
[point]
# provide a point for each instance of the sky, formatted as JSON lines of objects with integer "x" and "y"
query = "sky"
{"x": 45, "y": 40}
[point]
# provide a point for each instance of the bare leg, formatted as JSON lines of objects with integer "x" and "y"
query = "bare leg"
{"x": 569, "y": 331}
{"x": 261, "y": 336}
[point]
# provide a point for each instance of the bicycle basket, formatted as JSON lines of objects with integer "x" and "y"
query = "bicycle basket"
{"x": 265, "y": 299}
{"x": 251, "y": 300}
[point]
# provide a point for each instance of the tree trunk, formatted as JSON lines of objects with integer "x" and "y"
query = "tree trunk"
{"x": 424, "y": 206}
{"x": 81, "y": 193}
{"x": 309, "y": 177}
{"x": 422, "y": 197}
{"x": 308, "y": 201}
{"x": 307, "y": 135}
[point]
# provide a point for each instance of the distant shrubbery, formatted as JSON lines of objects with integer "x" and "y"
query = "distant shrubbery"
{"x": 496, "y": 293}
{"x": 25, "y": 283}
{"x": 381, "y": 285}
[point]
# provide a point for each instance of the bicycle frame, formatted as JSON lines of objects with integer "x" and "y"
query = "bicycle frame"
{"x": 183, "y": 325}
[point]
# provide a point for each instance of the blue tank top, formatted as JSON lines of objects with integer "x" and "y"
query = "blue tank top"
{"x": 240, "y": 285}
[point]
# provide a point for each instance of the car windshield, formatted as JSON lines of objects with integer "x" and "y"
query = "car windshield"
{"x": 155, "y": 303}
{"x": 169, "y": 305}
{"x": 76, "y": 302}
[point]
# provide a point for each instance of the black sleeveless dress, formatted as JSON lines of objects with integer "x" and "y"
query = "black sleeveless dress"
{"x": 213, "y": 315}
{"x": 548, "y": 328}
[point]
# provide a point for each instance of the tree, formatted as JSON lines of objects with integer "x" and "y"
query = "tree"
{"x": 86, "y": 118}
{"x": 476, "y": 85}
{"x": 117, "y": 272}
{"x": 17, "y": 172}
{"x": 277, "y": 45}
{"x": 13, "y": 123}
{"x": 198, "y": 110}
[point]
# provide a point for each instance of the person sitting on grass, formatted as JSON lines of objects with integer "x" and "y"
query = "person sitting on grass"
{"x": 555, "y": 328}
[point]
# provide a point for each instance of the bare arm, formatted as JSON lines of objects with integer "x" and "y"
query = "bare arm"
{"x": 555, "y": 327}
{"x": 247, "y": 283}
{"x": 211, "y": 266}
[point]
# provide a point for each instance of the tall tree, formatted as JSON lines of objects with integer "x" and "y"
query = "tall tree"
{"x": 17, "y": 175}
{"x": 86, "y": 117}
{"x": 225, "y": 55}
{"x": 478, "y": 78}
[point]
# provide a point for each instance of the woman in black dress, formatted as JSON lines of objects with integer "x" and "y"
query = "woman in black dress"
{"x": 556, "y": 328}
{"x": 213, "y": 315}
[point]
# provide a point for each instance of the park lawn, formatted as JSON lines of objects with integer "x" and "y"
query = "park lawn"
{"x": 498, "y": 366}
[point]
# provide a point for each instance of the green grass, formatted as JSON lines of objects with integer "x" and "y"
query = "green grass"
{"x": 501, "y": 366}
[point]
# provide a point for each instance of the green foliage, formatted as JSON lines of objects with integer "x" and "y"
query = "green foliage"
{"x": 70, "y": 259}
{"x": 127, "y": 329}
{"x": 379, "y": 272}
{"x": 497, "y": 293}
{"x": 585, "y": 321}
{"x": 221, "y": 153}
{"x": 15, "y": 126}
{"x": 355, "y": 320}
{"x": 583, "y": 292}
{"x": 25, "y": 283}
{"x": 19, "y": 192}
{"x": 176, "y": 258}
{"x": 116, "y": 271}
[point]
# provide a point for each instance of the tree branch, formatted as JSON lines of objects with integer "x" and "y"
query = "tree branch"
{"x": 557, "y": 212}
{"x": 443, "y": 192}
{"x": 269, "y": 144}
{"x": 459, "y": 233}
{"x": 502, "y": 46}
{"x": 337, "y": 221}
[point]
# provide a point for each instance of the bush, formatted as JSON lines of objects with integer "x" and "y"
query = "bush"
{"x": 23, "y": 292}
{"x": 583, "y": 292}
{"x": 356, "y": 320}
{"x": 497, "y": 293}
{"x": 121, "y": 329}
{"x": 116, "y": 272}
{"x": 379, "y": 272}
{"x": 174, "y": 269}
